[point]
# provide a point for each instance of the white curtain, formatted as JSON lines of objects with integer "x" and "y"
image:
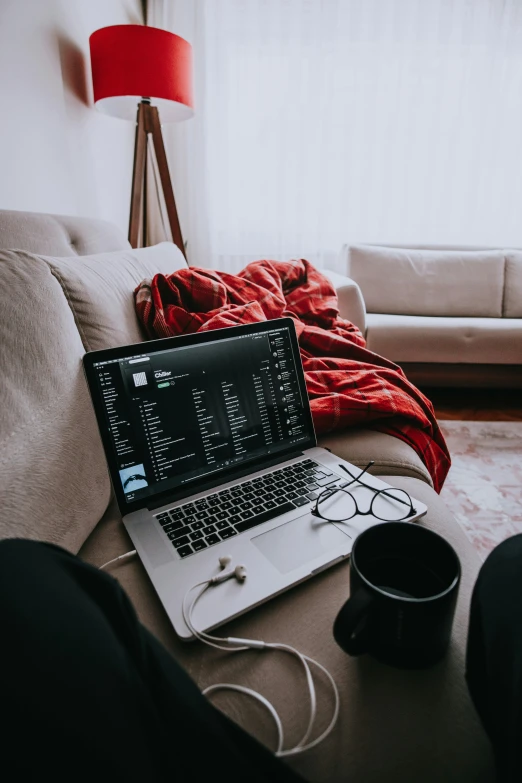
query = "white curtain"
{"x": 320, "y": 122}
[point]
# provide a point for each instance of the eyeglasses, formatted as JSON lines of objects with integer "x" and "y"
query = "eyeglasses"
{"x": 338, "y": 504}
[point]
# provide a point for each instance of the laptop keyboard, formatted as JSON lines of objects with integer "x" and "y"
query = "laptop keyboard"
{"x": 197, "y": 525}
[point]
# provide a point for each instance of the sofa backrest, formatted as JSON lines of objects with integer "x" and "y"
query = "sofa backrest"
{"x": 55, "y": 303}
{"x": 437, "y": 281}
{"x": 58, "y": 235}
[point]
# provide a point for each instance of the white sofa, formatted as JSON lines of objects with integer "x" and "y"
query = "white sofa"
{"x": 448, "y": 316}
{"x": 69, "y": 288}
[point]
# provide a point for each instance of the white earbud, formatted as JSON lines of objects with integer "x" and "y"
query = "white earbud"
{"x": 225, "y": 561}
{"x": 239, "y": 572}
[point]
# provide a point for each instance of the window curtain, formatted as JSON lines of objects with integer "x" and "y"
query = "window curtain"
{"x": 321, "y": 122}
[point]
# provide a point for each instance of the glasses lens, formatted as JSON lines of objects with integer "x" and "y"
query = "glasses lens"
{"x": 391, "y": 505}
{"x": 337, "y": 506}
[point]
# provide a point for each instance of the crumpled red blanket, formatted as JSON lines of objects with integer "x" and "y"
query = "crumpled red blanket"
{"x": 348, "y": 385}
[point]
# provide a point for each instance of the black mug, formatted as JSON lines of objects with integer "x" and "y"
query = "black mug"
{"x": 404, "y": 582}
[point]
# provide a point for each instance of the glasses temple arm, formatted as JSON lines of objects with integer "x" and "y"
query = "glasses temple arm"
{"x": 357, "y": 478}
{"x": 379, "y": 491}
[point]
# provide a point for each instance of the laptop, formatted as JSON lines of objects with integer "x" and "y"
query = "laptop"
{"x": 212, "y": 451}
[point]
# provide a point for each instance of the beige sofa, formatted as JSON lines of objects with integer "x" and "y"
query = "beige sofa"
{"x": 395, "y": 726}
{"x": 448, "y": 316}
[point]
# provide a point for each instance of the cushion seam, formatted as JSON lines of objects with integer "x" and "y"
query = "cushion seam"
{"x": 67, "y": 293}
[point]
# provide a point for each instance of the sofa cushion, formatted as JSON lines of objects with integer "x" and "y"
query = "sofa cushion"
{"x": 429, "y": 282}
{"x": 54, "y": 483}
{"x": 513, "y": 286}
{"x": 391, "y": 455}
{"x": 58, "y": 235}
{"x": 99, "y": 290}
{"x": 413, "y": 338}
{"x": 393, "y": 724}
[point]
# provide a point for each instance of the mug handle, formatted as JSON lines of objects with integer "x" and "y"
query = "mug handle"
{"x": 350, "y": 627}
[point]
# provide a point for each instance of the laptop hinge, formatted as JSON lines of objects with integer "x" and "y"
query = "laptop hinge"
{"x": 185, "y": 493}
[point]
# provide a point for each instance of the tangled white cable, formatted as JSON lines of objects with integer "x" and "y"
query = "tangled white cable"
{"x": 233, "y": 644}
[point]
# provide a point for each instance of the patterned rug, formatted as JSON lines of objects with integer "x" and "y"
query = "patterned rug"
{"x": 484, "y": 485}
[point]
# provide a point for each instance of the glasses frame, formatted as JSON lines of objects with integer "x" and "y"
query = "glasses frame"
{"x": 331, "y": 491}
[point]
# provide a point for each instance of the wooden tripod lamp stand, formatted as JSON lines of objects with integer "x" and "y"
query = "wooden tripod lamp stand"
{"x": 133, "y": 64}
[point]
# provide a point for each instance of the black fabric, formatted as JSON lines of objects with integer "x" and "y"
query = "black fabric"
{"x": 494, "y": 655}
{"x": 87, "y": 693}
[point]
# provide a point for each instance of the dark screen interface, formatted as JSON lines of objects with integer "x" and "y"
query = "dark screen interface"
{"x": 185, "y": 413}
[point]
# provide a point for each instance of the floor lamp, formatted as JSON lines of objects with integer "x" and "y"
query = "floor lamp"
{"x": 151, "y": 68}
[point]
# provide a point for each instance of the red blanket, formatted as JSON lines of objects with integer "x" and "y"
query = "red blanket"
{"x": 348, "y": 385}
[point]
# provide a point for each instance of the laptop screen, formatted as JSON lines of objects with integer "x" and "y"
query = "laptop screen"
{"x": 179, "y": 417}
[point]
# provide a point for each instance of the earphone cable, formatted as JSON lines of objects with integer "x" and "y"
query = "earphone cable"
{"x": 212, "y": 641}
{"x": 115, "y": 559}
{"x": 221, "y": 686}
{"x": 300, "y": 749}
{"x": 230, "y": 644}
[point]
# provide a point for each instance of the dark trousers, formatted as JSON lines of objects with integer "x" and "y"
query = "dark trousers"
{"x": 88, "y": 693}
{"x": 494, "y": 655}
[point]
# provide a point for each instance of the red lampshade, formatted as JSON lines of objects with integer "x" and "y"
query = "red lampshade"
{"x": 131, "y": 62}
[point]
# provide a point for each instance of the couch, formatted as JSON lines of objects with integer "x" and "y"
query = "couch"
{"x": 448, "y": 316}
{"x": 66, "y": 286}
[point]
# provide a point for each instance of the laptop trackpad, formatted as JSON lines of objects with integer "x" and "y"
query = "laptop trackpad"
{"x": 297, "y": 542}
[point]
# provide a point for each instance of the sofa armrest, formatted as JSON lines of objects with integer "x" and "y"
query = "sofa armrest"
{"x": 351, "y": 302}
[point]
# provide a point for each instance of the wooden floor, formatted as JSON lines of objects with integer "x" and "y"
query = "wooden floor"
{"x": 476, "y": 404}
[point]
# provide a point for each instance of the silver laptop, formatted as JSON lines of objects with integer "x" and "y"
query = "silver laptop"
{"x": 211, "y": 451}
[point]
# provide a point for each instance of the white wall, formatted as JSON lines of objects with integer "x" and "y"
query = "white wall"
{"x": 57, "y": 153}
